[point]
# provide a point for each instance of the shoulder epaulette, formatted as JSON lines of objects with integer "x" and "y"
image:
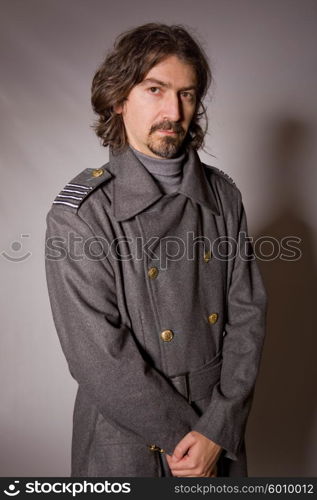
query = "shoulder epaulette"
{"x": 222, "y": 174}
{"x": 81, "y": 186}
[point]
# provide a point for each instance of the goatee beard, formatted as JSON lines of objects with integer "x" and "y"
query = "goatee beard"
{"x": 166, "y": 146}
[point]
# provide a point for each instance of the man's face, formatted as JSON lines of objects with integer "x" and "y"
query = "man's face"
{"x": 158, "y": 111}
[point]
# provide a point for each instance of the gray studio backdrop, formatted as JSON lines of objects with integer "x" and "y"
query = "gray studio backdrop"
{"x": 263, "y": 124}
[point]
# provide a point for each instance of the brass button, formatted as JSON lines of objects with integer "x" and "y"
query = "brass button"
{"x": 167, "y": 335}
{"x": 207, "y": 256}
{"x": 97, "y": 172}
{"x": 153, "y": 272}
{"x": 213, "y": 318}
{"x": 153, "y": 447}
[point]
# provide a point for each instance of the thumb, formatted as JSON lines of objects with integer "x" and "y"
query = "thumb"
{"x": 183, "y": 446}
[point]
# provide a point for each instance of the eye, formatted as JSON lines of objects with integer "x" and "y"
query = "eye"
{"x": 154, "y": 90}
{"x": 189, "y": 96}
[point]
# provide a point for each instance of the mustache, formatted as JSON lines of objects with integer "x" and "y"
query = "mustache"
{"x": 168, "y": 125}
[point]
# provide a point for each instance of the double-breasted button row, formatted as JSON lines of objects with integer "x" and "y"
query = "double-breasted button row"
{"x": 153, "y": 271}
{"x": 168, "y": 335}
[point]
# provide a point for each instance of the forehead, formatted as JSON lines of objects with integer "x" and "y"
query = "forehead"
{"x": 174, "y": 72}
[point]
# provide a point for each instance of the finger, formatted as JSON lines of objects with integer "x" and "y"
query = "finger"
{"x": 187, "y": 471}
{"x": 184, "y": 473}
{"x": 184, "y": 463}
{"x": 183, "y": 446}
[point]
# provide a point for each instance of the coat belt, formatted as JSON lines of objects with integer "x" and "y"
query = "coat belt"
{"x": 199, "y": 383}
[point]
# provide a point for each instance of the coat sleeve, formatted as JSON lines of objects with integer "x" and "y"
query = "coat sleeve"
{"x": 102, "y": 354}
{"x": 225, "y": 419}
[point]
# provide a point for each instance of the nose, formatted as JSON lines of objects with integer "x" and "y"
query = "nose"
{"x": 172, "y": 107}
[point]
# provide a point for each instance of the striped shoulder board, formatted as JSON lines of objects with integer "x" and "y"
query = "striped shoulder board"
{"x": 81, "y": 186}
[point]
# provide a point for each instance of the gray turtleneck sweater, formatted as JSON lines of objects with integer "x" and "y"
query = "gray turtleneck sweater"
{"x": 168, "y": 173}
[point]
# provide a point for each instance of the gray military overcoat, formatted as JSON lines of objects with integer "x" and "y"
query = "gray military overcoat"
{"x": 160, "y": 311}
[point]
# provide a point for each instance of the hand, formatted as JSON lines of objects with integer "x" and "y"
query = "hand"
{"x": 194, "y": 456}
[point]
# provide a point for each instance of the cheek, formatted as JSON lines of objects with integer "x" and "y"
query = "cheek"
{"x": 189, "y": 113}
{"x": 139, "y": 113}
{"x": 132, "y": 120}
{"x": 188, "y": 118}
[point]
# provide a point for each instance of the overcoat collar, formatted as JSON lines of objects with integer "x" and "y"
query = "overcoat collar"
{"x": 134, "y": 189}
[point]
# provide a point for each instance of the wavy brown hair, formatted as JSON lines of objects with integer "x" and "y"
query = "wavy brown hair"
{"x": 134, "y": 53}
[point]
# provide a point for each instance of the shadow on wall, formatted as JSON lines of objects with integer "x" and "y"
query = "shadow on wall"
{"x": 282, "y": 419}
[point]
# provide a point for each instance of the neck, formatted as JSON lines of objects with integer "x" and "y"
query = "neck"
{"x": 167, "y": 172}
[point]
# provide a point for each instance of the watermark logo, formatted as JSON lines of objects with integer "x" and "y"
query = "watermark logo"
{"x": 63, "y": 487}
{"x": 12, "y": 490}
{"x": 17, "y": 254}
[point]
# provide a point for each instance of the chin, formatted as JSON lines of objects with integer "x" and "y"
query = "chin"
{"x": 166, "y": 148}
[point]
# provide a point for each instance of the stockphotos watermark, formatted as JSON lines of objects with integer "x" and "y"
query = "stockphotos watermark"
{"x": 155, "y": 488}
{"x": 159, "y": 249}
{"x": 173, "y": 248}
{"x": 73, "y": 488}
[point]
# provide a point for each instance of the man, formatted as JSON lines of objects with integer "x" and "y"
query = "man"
{"x": 156, "y": 297}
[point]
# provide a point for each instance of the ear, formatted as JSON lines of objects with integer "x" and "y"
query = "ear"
{"x": 118, "y": 108}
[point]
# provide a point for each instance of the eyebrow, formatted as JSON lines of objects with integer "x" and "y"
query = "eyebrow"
{"x": 166, "y": 85}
